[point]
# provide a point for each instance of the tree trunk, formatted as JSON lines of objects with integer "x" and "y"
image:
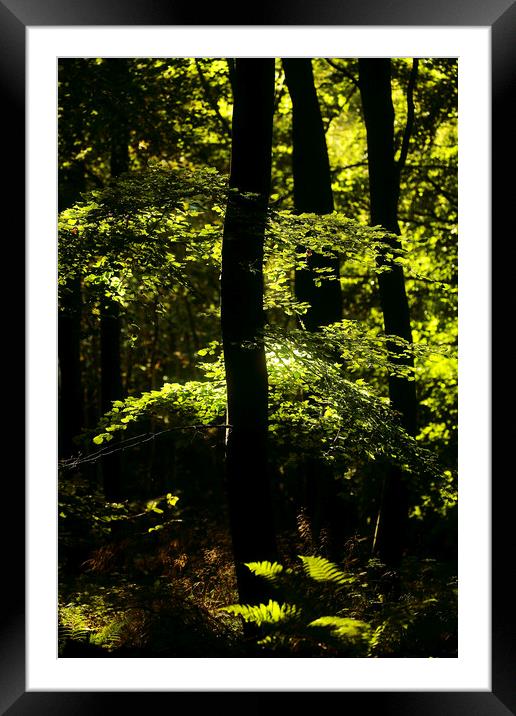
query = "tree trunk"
{"x": 110, "y": 379}
{"x": 312, "y": 191}
{"x": 384, "y": 187}
{"x": 242, "y": 319}
{"x": 110, "y": 323}
{"x": 71, "y": 397}
{"x": 313, "y": 194}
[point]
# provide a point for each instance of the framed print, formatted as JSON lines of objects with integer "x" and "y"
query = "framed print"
{"x": 39, "y": 41}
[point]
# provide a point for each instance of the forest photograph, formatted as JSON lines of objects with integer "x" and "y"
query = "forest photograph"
{"x": 257, "y": 357}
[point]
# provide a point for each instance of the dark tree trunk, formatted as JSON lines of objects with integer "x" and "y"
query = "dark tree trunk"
{"x": 242, "y": 317}
{"x": 110, "y": 379}
{"x": 312, "y": 190}
{"x": 110, "y": 324}
{"x": 384, "y": 187}
{"x": 71, "y": 397}
{"x": 313, "y": 194}
{"x": 119, "y": 94}
{"x": 110, "y": 389}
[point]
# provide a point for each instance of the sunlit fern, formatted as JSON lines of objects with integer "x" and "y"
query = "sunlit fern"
{"x": 321, "y": 570}
{"x": 301, "y": 620}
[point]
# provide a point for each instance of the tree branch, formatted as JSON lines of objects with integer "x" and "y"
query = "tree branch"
{"x": 409, "y": 126}
{"x": 136, "y": 440}
{"x": 226, "y": 127}
{"x": 343, "y": 71}
{"x": 452, "y": 199}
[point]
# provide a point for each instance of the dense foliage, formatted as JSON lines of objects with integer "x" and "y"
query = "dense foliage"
{"x": 151, "y": 573}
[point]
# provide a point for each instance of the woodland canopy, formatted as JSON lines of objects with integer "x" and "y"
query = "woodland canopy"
{"x": 257, "y": 357}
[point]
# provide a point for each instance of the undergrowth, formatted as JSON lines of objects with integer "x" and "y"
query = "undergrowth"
{"x": 319, "y": 609}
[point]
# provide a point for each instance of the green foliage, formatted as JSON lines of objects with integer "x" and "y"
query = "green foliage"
{"x": 267, "y": 570}
{"x": 142, "y": 231}
{"x": 72, "y": 626}
{"x": 321, "y": 570}
{"x": 314, "y": 410}
{"x": 342, "y": 627}
{"x": 144, "y": 228}
{"x": 98, "y": 618}
{"x": 318, "y": 410}
{"x": 151, "y": 242}
{"x": 302, "y": 620}
{"x": 183, "y": 405}
{"x": 332, "y": 611}
{"x": 271, "y": 613}
{"x": 151, "y": 234}
{"x": 100, "y": 627}
{"x": 86, "y": 516}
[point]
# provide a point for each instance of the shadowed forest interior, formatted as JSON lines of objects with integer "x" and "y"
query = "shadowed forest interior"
{"x": 257, "y": 321}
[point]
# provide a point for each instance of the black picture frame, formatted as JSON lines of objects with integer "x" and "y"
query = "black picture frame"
{"x": 500, "y": 16}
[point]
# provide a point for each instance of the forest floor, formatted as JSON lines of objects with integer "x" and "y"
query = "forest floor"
{"x": 158, "y": 596}
{"x": 161, "y": 595}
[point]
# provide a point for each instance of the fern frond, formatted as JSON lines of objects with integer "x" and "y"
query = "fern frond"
{"x": 322, "y": 570}
{"x": 110, "y": 636}
{"x": 72, "y": 632}
{"x": 343, "y": 627}
{"x": 267, "y": 570}
{"x": 258, "y": 614}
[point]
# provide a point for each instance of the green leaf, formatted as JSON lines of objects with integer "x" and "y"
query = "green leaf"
{"x": 267, "y": 570}
{"x": 342, "y": 626}
{"x": 322, "y": 570}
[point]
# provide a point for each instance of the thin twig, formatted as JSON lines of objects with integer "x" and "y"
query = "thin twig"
{"x": 343, "y": 71}
{"x": 211, "y": 100}
{"x": 446, "y": 194}
{"x": 132, "y": 442}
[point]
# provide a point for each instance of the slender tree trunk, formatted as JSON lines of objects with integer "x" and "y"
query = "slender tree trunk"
{"x": 384, "y": 186}
{"x": 313, "y": 194}
{"x": 312, "y": 191}
{"x": 110, "y": 389}
{"x": 119, "y": 95}
{"x": 110, "y": 379}
{"x": 242, "y": 318}
{"x": 110, "y": 323}
{"x": 71, "y": 397}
